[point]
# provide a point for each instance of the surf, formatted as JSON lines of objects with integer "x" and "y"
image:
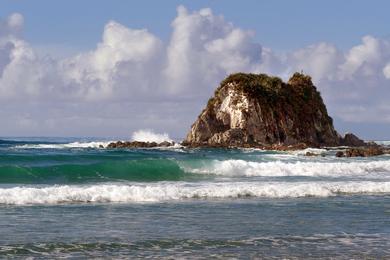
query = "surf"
{"x": 278, "y": 168}
{"x": 181, "y": 191}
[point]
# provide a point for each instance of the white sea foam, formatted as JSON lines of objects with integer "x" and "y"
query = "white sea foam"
{"x": 65, "y": 145}
{"x": 147, "y": 135}
{"x": 315, "y": 151}
{"x": 283, "y": 168}
{"x": 169, "y": 191}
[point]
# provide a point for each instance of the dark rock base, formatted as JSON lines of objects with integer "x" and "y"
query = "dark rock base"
{"x": 364, "y": 151}
{"x": 136, "y": 144}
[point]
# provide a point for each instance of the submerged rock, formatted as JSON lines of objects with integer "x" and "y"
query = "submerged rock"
{"x": 250, "y": 110}
{"x": 165, "y": 144}
{"x": 311, "y": 154}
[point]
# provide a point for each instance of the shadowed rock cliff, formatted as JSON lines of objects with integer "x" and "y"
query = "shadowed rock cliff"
{"x": 257, "y": 110}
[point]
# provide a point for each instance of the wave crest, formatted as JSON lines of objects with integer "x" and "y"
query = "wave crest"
{"x": 182, "y": 190}
{"x": 279, "y": 168}
{"x": 65, "y": 146}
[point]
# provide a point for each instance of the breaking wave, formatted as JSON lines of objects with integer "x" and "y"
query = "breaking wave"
{"x": 279, "y": 168}
{"x": 99, "y": 171}
{"x": 168, "y": 191}
{"x": 96, "y": 168}
{"x": 65, "y": 145}
{"x": 315, "y": 151}
{"x": 147, "y": 135}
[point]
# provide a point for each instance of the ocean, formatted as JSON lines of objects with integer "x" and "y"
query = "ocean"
{"x": 68, "y": 198}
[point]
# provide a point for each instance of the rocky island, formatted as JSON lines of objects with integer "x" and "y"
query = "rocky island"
{"x": 262, "y": 111}
{"x": 257, "y": 110}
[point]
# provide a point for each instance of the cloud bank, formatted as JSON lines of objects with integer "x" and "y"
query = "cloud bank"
{"x": 133, "y": 80}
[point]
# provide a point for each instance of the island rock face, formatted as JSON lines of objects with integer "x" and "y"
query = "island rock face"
{"x": 257, "y": 110}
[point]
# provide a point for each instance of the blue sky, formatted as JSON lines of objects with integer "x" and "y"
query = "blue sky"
{"x": 282, "y": 25}
{"x": 108, "y": 68}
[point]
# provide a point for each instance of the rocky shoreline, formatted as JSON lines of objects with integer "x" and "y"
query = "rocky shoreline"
{"x": 137, "y": 144}
{"x": 368, "y": 150}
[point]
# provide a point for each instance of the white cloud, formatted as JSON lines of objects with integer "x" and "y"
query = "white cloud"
{"x": 386, "y": 71}
{"x": 15, "y": 21}
{"x": 13, "y": 24}
{"x": 365, "y": 59}
{"x": 21, "y": 71}
{"x": 121, "y": 56}
{"x": 134, "y": 80}
{"x": 318, "y": 60}
{"x": 204, "y": 48}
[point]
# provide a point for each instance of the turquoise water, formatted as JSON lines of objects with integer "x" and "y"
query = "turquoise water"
{"x": 69, "y": 198}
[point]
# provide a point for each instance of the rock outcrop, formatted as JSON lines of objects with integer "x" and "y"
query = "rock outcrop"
{"x": 137, "y": 144}
{"x": 350, "y": 139}
{"x": 257, "y": 110}
{"x": 367, "y": 151}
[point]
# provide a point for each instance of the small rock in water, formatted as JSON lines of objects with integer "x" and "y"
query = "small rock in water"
{"x": 311, "y": 154}
{"x": 165, "y": 144}
{"x": 138, "y": 144}
{"x": 363, "y": 152}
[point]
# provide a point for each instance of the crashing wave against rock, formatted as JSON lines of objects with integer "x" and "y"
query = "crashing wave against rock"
{"x": 257, "y": 110}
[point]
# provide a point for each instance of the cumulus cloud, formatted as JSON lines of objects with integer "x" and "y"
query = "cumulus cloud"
{"x": 386, "y": 71}
{"x": 133, "y": 80}
{"x": 318, "y": 60}
{"x": 15, "y": 21}
{"x": 133, "y": 63}
{"x": 21, "y": 71}
{"x": 13, "y": 24}
{"x": 124, "y": 55}
{"x": 204, "y": 48}
{"x": 367, "y": 58}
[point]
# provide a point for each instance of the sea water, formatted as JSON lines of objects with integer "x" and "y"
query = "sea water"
{"x": 64, "y": 197}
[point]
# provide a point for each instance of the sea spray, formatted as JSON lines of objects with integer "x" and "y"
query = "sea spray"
{"x": 147, "y": 135}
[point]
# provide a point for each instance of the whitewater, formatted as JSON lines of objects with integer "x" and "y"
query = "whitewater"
{"x": 180, "y": 191}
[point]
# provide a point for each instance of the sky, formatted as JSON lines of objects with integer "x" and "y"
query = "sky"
{"x": 109, "y": 68}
